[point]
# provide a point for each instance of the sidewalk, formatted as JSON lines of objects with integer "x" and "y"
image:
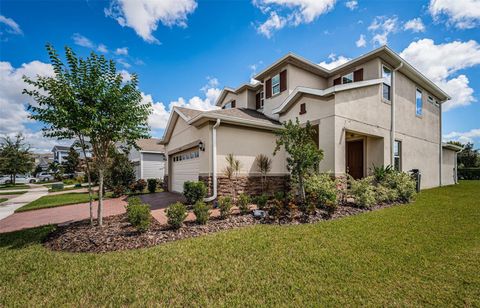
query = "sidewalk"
{"x": 7, "y": 208}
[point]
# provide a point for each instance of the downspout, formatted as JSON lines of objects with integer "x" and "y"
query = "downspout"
{"x": 392, "y": 111}
{"x": 214, "y": 162}
{"x": 440, "y": 155}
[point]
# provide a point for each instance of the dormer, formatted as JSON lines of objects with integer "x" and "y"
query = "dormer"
{"x": 244, "y": 96}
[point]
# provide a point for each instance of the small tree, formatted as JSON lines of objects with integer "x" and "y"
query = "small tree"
{"x": 15, "y": 157}
{"x": 55, "y": 168}
{"x": 231, "y": 171}
{"x": 303, "y": 154}
{"x": 89, "y": 100}
{"x": 72, "y": 161}
{"x": 120, "y": 174}
{"x": 264, "y": 165}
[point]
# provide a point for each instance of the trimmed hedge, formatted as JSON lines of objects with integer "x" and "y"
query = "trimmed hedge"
{"x": 469, "y": 173}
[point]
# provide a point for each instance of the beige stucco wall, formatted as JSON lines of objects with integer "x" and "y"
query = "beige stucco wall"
{"x": 371, "y": 70}
{"x": 448, "y": 167}
{"x": 246, "y": 144}
{"x": 232, "y": 96}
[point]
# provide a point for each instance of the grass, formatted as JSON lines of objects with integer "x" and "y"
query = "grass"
{"x": 3, "y": 199}
{"x": 65, "y": 189}
{"x": 57, "y": 200}
{"x": 17, "y": 192}
{"x": 424, "y": 254}
{"x": 12, "y": 187}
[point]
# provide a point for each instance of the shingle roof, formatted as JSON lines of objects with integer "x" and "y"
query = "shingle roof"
{"x": 245, "y": 114}
{"x": 189, "y": 113}
{"x": 150, "y": 145}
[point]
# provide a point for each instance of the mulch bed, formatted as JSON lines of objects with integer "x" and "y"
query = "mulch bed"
{"x": 117, "y": 234}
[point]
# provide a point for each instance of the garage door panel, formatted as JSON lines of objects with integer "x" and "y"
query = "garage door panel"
{"x": 184, "y": 170}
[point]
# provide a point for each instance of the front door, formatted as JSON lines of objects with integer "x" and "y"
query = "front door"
{"x": 355, "y": 158}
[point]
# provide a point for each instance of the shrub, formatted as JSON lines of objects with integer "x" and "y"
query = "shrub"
{"x": 385, "y": 194}
{"x": 261, "y": 201}
{"x": 404, "y": 185}
{"x": 201, "y": 211}
{"x": 243, "y": 202}
{"x": 224, "y": 204}
{"x": 194, "y": 191}
{"x": 139, "y": 185}
{"x": 118, "y": 191}
{"x": 363, "y": 191}
{"x": 152, "y": 185}
{"x": 469, "y": 173}
{"x": 176, "y": 214}
{"x": 78, "y": 185}
{"x": 321, "y": 190}
{"x": 120, "y": 172}
{"x": 57, "y": 186}
{"x": 381, "y": 172}
{"x": 134, "y": 201}
{"x": 138, "y": 214}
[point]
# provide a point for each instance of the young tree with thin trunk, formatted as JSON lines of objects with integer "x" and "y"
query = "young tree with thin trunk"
{"x": 88, "y": 99}
{"x": 302, "y": 153}
{"x": 231, "y": 172}
{"x": 264, "y": 165}
{"x": 15, "y": 157}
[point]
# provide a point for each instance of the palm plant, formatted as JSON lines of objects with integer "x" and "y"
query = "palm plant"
{"x": 231, "y": 171}
{"x": 264, "y": 165}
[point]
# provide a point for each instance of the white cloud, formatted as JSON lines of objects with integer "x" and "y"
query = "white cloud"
{"x": 441, "y": 62}
{"x": 290, "y": 12}
{"x": 159, "y": 118}
{"x": 83, "y": 41}
{"x": 143, "y": 16}
{"x": 334, "y": 61}
{"x": 352, "y": 5}
{"x": 12, "y": 26}
{"x": 381, "y": 27}
{"x": 13, "y": 115}
{"x": 124, "y": 63}
{"x": 361, "y": 42}
{"x": 463, "y": 137}
{"x": 415, "y": 25}
{"x": 463, "y": 14}
{"x": 102, "y": 48}
{"x": 122, "y": 51}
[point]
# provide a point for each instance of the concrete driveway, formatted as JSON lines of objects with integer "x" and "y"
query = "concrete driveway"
{"x": 162, "y": 199}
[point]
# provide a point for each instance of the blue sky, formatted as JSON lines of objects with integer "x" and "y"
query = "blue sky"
{"x": 185, "y": 51}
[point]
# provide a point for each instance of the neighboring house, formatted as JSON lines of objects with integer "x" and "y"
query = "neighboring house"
{"x": 60, "y": 153}
{"x": 42, "y": 159}
{"x": 373, "y": 110}
{"x": 149, "y": 160}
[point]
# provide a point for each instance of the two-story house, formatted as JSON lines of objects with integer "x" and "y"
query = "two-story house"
{"x": 376, "y": 109}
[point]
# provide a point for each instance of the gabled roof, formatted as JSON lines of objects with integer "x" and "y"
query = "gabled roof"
{"x": 60, "y": 148}
{"x": 452, "y": 147}
{"x": 241, "y": 88}
{"x": 384, "y": 53}
{"x": 150, "y": 145}
{"x": 235, "y": 116}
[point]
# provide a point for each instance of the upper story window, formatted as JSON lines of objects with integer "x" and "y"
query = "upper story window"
{"x": 418, "y": 103}
{"x": 259, "y": 100}
{"x": 276, "y": 84}
{"x": 229, "y": 105}
{"x": 431, "y": 100}
{"x": 348, "y": 78}
{"x": 387, "y": 82}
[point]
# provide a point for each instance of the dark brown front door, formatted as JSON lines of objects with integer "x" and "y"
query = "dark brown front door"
{"x": 355, "y": 158}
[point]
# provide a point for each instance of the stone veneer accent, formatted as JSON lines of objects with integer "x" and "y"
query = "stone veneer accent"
{"x": 251, "y": 185}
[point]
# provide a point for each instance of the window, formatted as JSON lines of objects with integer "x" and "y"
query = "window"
{"x": 276, "y": 84}
{"x": 227, "y": 105}
{"x": 418, "y": 103}
{"x": 397, "y": 155}
{"x": 261, "y": 99}
{"x": 303, "y": 108}
{"x": 387, "y": 81}
{"x": 186, "y": 156}
{"x": 430, "y": 100}
{"x": 347, "y": 78}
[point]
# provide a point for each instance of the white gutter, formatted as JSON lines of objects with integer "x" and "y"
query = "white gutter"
{"x": 440, "y": 155}
{"x": 214, "y": 163}
{"x": 392, "y": 114}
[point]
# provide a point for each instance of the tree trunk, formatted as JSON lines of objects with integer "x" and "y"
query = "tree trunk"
{"x": 100, "y": 197}
{"x": 300, "y": 184}
{"x": 89, "y": 178}
{"x": 13, "y": 180}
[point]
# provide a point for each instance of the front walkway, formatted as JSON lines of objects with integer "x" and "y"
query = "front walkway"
{"x": 8, "y": 207}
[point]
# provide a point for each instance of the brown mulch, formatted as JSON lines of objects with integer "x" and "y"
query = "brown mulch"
{"x": 117, "y": 233}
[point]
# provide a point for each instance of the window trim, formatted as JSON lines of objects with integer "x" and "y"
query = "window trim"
{"x": 276, "y": 84}
{"x": 399, "y": 154}
{"x": 345, "y": 75}
{"x": 385, "y": 83}
{"x": 262, "y": 99}
{"x": 417, "y": 90}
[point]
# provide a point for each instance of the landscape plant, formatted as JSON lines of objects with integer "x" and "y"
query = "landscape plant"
{"x": 139, "y": 185}
{"x": 264, "y": 165}
{"x": 243, "y": 203}
{"x": 231, "y": 171}
{"x": 321, "y": 189}
{"x": 403, "y": 184}
{"x": 72, "y": 161}
{"x": 88, "y": 99}
{"x": 120, "y": 174}
{"x": 261, "y": 201}
{"x": 176, "y": 214}
{"x": 15, "y": 157}
{"x": 363, "y": 191}
{"x": 224, "y": 205}
{"x": 194, "y": 191}
{"x": 152, "y": 185}
{"x": 303, "y": 154}
{"x": 201, "y": 211}
{"x": 138, "y": 214}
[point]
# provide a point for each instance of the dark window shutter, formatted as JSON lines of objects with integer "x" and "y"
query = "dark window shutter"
{"x": 283, "y": 80}
{"x": 257, "y": 101}
{"x": 233, "y": 104}
{"x": 337, "y": 81}
{"x": 268, "y": 88}
{"x": 358, "y": 75}
{"x": 303, "y": 108}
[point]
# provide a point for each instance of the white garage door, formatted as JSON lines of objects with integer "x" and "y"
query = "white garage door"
{"x": 185, "y": 167}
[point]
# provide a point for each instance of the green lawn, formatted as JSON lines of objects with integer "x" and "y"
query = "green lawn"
{"x": 12, "y": 187}
{"x": 424, "y": 254}
{"x": 3, "y": 199}
{"x": 17, "y": 192}
{"x": 57, "y": 200}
